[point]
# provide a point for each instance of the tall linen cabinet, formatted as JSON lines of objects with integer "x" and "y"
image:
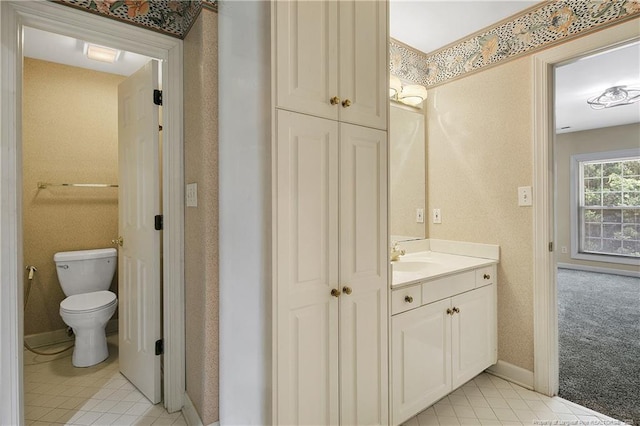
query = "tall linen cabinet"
{"x": 330, "y": 243}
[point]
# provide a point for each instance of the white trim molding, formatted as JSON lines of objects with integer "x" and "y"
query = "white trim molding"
{"x": 190, "y": 413}
{"x": 599, "y": 269}
{"x": 544, "y": 273}
{"x": 512, "y": 373}
{"x": 49, "y": 16}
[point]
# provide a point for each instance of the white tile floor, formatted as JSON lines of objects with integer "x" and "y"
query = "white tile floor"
{"x": 489, "y": 400}
{"x": 58, "y": 393}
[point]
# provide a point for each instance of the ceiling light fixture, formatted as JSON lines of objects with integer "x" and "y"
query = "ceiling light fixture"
{"x": 413, "y": 94}
{"x": 101, "y": 53}
{"x": 615, "y": 96}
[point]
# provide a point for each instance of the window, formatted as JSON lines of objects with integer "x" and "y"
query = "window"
{"x": 608, "y": 206}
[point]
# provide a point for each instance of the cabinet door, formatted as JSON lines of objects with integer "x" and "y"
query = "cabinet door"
{"x": 473, "y": 344}
{"x": 306, "y": 56}
{"x": 421, "y": 354}
{"x": 306, "y": 269}
{"x": 363, "y": 65}
{"x": 363, "y": 268}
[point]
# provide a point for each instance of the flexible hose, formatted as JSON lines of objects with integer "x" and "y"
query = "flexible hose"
{"x": 26, "y": 345}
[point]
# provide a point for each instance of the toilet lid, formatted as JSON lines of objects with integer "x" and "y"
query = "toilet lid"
{"x": 88, "y": 302}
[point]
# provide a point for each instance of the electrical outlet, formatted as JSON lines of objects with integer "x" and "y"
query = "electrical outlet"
{"x": 437, "y": 217}
{"x": 524, "y": 196}
{"x": 192, "y": 195}
{"x": 419, "y": 215}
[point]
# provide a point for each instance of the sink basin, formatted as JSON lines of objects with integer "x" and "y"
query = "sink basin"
{"x": 408, "y": 266}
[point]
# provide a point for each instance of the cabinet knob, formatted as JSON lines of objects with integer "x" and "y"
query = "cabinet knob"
{"x": 487, "y": 276}
{"x": 347, "y": 290}
{"x": 456, "y": 310}
{"x": 346, "y": 103}
{"x": 335, "y": 100}
{"x": 335, "y": 292}
{"x": 408, "y": 299}
{"x": 449, "y": 311}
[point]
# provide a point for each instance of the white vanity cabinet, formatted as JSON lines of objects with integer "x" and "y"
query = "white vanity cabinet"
{"x": 340, "y": 78}
{"x": 444, "y": 342}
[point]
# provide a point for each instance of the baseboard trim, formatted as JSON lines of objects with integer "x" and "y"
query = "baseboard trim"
{"x": 512, "y": 373}
{"x": 600, "y": 269}
{"x": 60, "y": 336}
{"x": 190, "y": 413}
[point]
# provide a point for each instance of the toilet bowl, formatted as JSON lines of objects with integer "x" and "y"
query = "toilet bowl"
{"x": 87, "y": 314}
{"x": 85, "y": 277}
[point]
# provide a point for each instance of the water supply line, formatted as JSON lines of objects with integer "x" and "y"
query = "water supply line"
{"x": 32, "y": 270}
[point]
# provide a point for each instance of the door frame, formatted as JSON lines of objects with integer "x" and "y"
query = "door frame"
{"x": 67, "y": 21}
{"x": 545, "y": 324}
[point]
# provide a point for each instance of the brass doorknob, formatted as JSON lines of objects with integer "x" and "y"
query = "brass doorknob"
{"x": 347, "y": 290}
{"x": 449, "y": 311}
{"x": 487, "y": 276}
{"x": 335, "y": 292}
{"x": 408, "y": 299}
{"x": 118, "y": 242}
{"x": 346, "y": 103}
{"x": 335, "y": 100}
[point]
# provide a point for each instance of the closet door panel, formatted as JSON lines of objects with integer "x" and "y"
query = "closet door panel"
{"x": 306, "y": 269}
{"x": 363, "y": 269}
{"x": 306, "y": 56}
{"x": 363, "y": 62}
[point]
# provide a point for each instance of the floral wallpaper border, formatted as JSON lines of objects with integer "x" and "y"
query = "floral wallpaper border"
{"x": 171, "y": 17}
{"x": 536, "y": 28}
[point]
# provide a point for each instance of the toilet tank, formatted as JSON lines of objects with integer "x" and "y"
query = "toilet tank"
{"x": 85, "y": 271}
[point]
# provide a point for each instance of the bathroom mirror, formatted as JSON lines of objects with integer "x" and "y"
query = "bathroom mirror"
{"x": 407, "y": 180}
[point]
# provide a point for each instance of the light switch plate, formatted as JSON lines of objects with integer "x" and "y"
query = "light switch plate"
{"x": 419, "y": 215}
{"x": 524, "y": 196}
{"x": 192, "y": 195}
{"x": 437, "y": 217}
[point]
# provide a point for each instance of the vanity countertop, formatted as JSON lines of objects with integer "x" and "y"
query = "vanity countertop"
{"x": 425, "y": 265}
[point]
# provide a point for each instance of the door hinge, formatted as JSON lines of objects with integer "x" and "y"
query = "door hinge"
{"x": 551, "y": 246}
{"x": 158, "y": 222}
{"x": 159, "y": 347}
{"x": 157, "y": 97}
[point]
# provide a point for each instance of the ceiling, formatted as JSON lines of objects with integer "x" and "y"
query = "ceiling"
{"x": 429, "y": 25}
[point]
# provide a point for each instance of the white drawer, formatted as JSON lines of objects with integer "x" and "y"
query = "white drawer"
{"x": 404, "y": 299}
{"x": 485, "y": 276}
{"x": 448, "y": 286}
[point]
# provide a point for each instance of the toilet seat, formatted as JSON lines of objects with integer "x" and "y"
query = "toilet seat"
{"x": 88, "y": 302}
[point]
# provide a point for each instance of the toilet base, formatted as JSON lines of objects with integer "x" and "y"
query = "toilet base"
{"x": 90, "y": 347}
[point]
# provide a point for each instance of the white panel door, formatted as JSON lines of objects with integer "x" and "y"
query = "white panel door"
{"x": 363, "y": 66}
{"x": 307, "y": 57}
{"x": 473, "y": 341}
{"x": 364, "y": 270}
{"x": 306, "y": 249}
{"x": 421, "y": 354}
{"x": 139, "y": 277}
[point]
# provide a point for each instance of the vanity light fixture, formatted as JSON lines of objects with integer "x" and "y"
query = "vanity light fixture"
{"x": 101, "y": 53}
{"x": 412, "y": 94}
{"x": 615, "y": 96}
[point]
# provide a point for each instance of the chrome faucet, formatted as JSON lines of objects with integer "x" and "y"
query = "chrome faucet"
{"x": 396, "y": 252}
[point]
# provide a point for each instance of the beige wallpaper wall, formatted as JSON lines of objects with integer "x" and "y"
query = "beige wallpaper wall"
{"x": 568, "y": 144}
{"x": 201, "y": 223}
{"x": 479, "y": 138}
{"x": 70, "y": 134}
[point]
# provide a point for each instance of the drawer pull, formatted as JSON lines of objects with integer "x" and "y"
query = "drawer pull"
{"x": 487, "y": 276}
{"x": 335, "y": 100}
{"x": 346, "y": 103}
{"x": 347, "y": 290}
{"x": 449, "y": 311}
{"x": 408, "y": 299}
{"x": 335, "y": 292}
{"x": 456, "y": 310}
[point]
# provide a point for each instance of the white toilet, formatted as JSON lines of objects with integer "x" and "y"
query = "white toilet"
{"x": 85, "y": 277}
